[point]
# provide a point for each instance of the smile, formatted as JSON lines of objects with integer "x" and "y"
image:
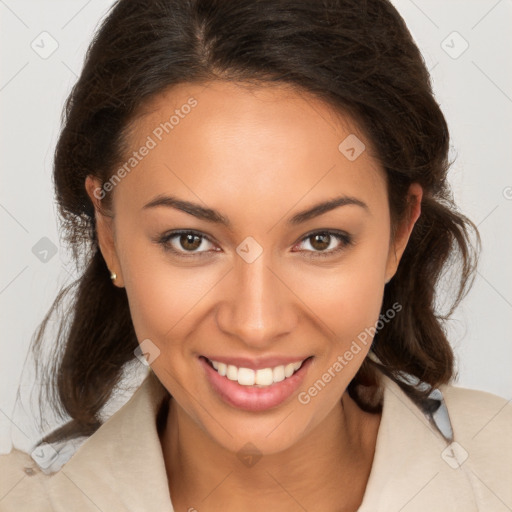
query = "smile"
{"x": 261, "y": 378}
{"x": 255, "y": 389}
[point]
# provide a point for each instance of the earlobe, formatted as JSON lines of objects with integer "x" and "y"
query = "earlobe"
{"x": 404, "y": 230}
{"x": 104, "y": 231}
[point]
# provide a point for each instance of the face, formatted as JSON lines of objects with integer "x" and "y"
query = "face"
{"x": 221, "y": 271}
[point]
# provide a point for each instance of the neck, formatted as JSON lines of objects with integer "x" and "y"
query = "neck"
{"x": 327, "y": 470}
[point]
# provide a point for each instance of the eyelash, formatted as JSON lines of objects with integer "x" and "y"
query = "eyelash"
{"x": 344, "y": 238}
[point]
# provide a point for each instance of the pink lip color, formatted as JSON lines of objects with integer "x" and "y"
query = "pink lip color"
{"x": 251, "y": 398}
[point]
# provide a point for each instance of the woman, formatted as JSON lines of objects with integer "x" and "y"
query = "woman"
{"x": 261, "y": 186}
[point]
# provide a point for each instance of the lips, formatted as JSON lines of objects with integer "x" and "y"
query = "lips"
{"x": 249, "y": 395}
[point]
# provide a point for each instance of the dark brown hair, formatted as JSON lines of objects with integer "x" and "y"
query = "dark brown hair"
{"x": 359, "y": 57}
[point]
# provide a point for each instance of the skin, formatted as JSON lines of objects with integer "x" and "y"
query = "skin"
{"x": 257, "y": 155}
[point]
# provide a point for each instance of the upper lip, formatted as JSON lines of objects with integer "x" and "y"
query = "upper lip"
{"x": 257, "y": 363}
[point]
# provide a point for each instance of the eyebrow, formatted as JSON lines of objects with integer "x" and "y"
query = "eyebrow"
{"x": 210, "y": 215}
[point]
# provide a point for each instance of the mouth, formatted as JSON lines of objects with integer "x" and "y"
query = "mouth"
{"x": 254, "y": 389}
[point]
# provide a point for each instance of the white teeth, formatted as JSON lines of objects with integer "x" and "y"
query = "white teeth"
{"x": 289, "y": 369}
{"x": 232, "y": 372}
{"x": 260, "y": 378}
{"x": 246, "y": 376}
{"x": 264, "y": 377}
{"x": 222, "y": 369}
{"x": 278, "y": 373}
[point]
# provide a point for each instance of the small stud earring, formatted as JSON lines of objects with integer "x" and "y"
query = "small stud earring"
{"x": 113, "y": 275}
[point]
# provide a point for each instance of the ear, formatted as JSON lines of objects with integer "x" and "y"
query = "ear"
{"x": 404, "y": 230}
{"x": 104, "y": 229}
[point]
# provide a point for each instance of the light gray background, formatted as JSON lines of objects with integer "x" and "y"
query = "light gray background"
{"x": 474, "y": 89}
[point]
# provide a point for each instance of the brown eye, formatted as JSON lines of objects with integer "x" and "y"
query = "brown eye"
{"x": 186, "y": 243}
{"x": 190, "y": 242}
{"x": 326, "y": 243}
{"x": 320, "y": 242}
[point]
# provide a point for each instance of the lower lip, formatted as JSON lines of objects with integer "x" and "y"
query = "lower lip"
{"x": 251, "y": 398}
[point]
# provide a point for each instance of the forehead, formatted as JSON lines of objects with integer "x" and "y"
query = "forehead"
{"x": 266, "y": 143}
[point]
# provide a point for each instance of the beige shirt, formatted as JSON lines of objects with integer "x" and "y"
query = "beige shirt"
{"x": 121, "y": 466}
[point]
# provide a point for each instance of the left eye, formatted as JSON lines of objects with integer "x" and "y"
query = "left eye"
{"x": 324, "y": 242}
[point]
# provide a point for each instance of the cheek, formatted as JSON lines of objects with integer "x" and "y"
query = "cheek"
{"x": 347, "y": 296}
{"x": 363, "y": 289}
{"x": 163, "y": 296}
{"x": 364, "y": 277}
{"x": 348, "y": 300}
{"x": 155, "y": 292}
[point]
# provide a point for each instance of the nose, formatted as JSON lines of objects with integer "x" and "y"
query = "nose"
{"x": 259, "y": 306}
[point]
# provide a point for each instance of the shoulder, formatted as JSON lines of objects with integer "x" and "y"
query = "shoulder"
{"x": 21, "y": 486}
{"x": 15, "y": 462}
{"x": 482, "y": 438}
{"x": 474, "y": 411}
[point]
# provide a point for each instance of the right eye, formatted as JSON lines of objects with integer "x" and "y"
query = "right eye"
{"x": 184, "y": 243}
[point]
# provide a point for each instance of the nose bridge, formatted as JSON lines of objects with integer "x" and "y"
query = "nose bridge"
{"x": 256, "y": 308}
